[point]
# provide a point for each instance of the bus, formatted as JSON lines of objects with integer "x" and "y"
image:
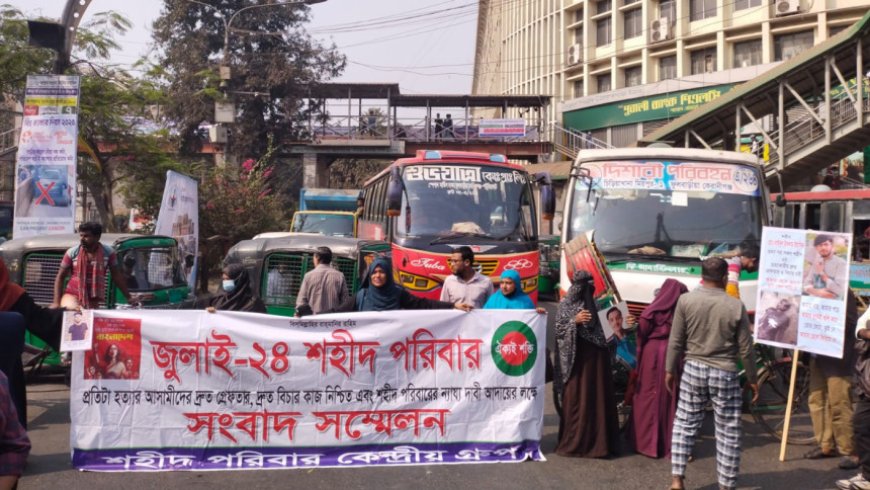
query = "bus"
{"x": 431, "y": 204}
{"x": 656, "y": 213}
{"x": 843, "y": 211}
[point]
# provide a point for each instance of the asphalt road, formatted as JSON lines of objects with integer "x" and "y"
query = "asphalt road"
{"x": 49, "y": 465}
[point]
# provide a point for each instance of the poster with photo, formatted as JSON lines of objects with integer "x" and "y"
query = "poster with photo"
{"x": 77, "y": 332}
{"x": 803, "y": 280}
{"x": 117, "y": 349}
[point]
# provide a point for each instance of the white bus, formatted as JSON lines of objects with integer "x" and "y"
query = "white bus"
{"x": 656, "y": 211}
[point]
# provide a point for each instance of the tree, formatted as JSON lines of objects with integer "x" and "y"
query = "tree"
{"x": 273, "y": 61}
{"x": 236, "y": 203}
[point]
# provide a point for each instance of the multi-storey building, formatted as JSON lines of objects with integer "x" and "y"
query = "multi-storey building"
{"x": 619, "y": 69}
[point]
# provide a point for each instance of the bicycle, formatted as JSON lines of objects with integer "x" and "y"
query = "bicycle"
{"x": 774, "y": 376}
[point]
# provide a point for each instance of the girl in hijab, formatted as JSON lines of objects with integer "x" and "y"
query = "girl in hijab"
{"x": 588, "y": 424}
{"x": 509, "y": 296}
{"x": 238, "y": 293}
{"x": 654, "y": 406}
{"x": 379, "y": 292}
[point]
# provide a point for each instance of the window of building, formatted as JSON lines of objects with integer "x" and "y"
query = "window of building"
{"x": 578, "y": 36}
{"x": 701, "y": 9}
{"x": 578, "y": 88}
{"x": 747, "y": 53}
{"x": 668, "y": 10}
{"x": 629, "y": 2}
{"x": 604, "y": 83}
{"x": 786, "y": 46}
{"x": 633, "y": 76}
{"x": 704, "y": 61}
{"x": 668, "y": 67}
{"x": 578, "y": 15}
{"x": 834, "y": 30}
{"x": 603, "y": 32}
{"x": 602, "y": 6}
{"x": 633, "y": 23}
{"x": 745, "y": 4}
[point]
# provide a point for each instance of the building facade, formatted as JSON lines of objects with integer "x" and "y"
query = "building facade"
{"x": 619, "y": 69}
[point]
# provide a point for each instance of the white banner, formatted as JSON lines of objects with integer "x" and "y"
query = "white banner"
{"x": 191, "y": 390}
{"x": 45, "y": 183}
{"x": 179, "y": 218}
{"x": 502, "y": 127}
{"x": 803, "y": 280}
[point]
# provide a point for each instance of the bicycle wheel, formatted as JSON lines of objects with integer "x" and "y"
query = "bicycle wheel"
{"x": 770, "y": 409}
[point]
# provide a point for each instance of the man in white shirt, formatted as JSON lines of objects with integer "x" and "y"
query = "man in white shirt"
{"x": 466, "y": 285}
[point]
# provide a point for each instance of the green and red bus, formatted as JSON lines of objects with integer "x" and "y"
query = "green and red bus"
{"x": 431, "y": 204}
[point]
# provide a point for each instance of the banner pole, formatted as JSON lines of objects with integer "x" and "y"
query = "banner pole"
{"x": 788, "y": 405}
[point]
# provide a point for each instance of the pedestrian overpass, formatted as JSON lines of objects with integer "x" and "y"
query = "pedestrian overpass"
{"x": 811, "y": 110}
{"x": 377, "y": 121}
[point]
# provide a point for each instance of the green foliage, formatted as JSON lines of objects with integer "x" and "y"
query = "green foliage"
{"x": 17, "y": 59}
{"x": 353, "y": 173}
{"x": 273, "y": 61}
{"x": 236, "y": 203}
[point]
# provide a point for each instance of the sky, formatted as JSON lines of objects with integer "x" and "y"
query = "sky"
{"x": 426, "y": 46}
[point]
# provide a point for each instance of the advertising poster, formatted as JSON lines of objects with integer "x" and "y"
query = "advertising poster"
{"x": 179, "y": 218}
{"x": 803, "y": 279}
{"x": 502, "y": 127}
{"x": 192, "y": 390}
{"x": 45, "y": 183}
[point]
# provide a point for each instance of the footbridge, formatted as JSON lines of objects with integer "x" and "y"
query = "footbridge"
{"x": 811, "y": 110}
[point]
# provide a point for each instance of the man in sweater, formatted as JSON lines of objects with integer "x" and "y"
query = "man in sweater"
{"x": 710, "y": 330}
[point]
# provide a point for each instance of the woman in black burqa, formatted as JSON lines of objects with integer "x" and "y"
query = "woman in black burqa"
{"x": 583, "y": 387}
{"x": 237, "y": 295}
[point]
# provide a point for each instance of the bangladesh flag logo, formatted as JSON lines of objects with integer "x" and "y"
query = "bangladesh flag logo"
{"x": 514, "y": 348}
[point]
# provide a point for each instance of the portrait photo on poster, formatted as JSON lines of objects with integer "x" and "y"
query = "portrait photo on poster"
{"x": 77, "y": 333}
{"x": 613, "y": 317}
{"x": 826, "y": 265}
{"x": 776, "y": 319}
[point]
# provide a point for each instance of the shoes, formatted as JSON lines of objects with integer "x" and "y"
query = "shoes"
{"x": 857, "y": 482}
{"x": 817, "y": 453}
{"x": 848, "y": 463}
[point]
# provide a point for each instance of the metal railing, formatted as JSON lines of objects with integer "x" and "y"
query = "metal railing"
{"x": 569, "y": 142}
{"x": 807, "y": 130}
{"x": 412, "y": 129}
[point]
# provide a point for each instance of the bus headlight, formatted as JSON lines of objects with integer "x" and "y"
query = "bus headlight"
{"x": 417, "y": 283}
{"x": 530, "y": 284}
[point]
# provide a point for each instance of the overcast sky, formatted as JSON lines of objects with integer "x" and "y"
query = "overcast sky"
{"x": 427, "y": 46}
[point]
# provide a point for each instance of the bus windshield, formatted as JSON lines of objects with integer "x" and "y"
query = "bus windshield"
{"x": 668, "y": 209}
{"x": 466, "y": 200}
{"x": 331, "y": 224}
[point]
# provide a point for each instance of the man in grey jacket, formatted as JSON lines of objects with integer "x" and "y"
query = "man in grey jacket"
{"x": 711, "y": 330}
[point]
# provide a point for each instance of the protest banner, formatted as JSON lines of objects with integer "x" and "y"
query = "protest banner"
{"x": 502, "y": 127}
{"x": 191, "y": 390}
{"x": 45, "y": 183}
{"x": 803, "y": 281}
{"x": 179, "y": 218}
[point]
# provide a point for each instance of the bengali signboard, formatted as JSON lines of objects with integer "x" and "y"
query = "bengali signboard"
{"x": 803, "y": 281}
{"x": 191, "y": 390}
{"x": 45, "y": 184}
{"x": 179, "y": 218}
{"x": 502, "y": 127}
{"x": 675, "y": 176}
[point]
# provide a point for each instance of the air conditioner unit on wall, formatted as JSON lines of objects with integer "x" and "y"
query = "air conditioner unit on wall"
{"x": 786, "y": 7}
{"x": 575, "y": 54}
{"x": 659, "y": 30}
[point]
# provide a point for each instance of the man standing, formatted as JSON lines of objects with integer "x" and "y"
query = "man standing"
{"x": 466, "y": 285}
{"x": 323, "y": 289}
{"x": 710, "y": 329}
{"x": 830, "y": 398}
{"x": 861, "y": 417}
{"x": 827, "y": 273}
{"x": 88, "y": 262}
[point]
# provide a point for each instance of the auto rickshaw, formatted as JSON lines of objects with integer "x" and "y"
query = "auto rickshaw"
{"x": 278, "y": 264}
{"x": 548, "y": 280}
{"x": 151, "y": 264}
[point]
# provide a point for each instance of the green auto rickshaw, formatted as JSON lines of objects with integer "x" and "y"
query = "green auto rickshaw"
{"x": 278, "y": 264}
{"x": 151, "y": 264}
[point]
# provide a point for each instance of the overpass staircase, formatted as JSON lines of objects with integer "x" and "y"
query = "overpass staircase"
{"x": 811, "y": 110}
{"x": 568, "y": 142}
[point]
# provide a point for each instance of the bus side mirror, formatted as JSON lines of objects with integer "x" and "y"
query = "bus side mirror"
{"x": 394, "y": 193}
{"x": 548, "y": 196}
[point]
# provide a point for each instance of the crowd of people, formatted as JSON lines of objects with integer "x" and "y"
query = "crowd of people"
{"x": 685, "y": 355}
